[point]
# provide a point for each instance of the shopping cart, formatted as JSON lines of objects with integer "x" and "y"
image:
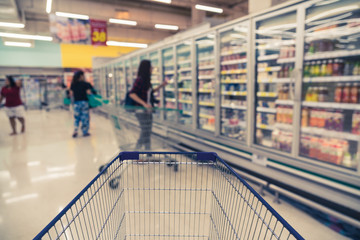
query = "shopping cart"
{"x": 205, "y": 199}
{"x": 55, "y": 99}
{"x": 132, "y": 127}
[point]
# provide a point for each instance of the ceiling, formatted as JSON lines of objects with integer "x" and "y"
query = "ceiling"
{"x": 146, "y": 12}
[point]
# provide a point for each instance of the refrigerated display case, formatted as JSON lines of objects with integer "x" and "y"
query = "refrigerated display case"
{"x": 233, "y": 71}
{"x": 168, "y": 63}
{"x": 330, "y": 114}
{"x": 143, "y": 57}
{"x": 97, "y": 75}
{"x": 120, "y": 83}
{"x": 275, "y": 42}
{"x": 205, "y": 57}
{"x": 155, "y": 75}
{"x": 134, "y": 67}
{"x": 110, "y": 84}
{"x": 184, "y": 83}
{"x": 128, "y": 75}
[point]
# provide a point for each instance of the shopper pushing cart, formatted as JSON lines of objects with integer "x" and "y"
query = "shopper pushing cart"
{"x": 142, "y": 94}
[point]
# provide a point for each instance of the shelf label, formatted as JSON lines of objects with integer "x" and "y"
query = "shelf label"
{"x": 259, "y": 159}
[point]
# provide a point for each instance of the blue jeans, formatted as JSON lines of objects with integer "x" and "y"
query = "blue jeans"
{"x": 81, "y": 114}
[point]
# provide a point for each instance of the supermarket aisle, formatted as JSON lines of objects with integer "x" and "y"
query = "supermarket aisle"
{"x": 42, "y": 170}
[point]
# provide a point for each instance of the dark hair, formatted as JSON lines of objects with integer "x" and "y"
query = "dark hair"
{"x": 12, "y": 81}
{"x": 144, "y": 72}
{"x": 77, "y": 76}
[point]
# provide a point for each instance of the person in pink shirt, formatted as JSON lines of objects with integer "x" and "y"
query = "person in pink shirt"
{"x": 13, "y": 105}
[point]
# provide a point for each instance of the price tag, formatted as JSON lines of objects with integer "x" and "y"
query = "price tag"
{"x": 98, "y": 32}
{"x": 258, "y": 159}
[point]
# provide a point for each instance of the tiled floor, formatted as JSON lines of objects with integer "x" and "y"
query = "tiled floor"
{"x": 43, "y": 169}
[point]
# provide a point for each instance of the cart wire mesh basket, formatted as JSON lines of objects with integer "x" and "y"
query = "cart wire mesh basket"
{"x": 204, "y": 199}
{"x": 126, "y": 122}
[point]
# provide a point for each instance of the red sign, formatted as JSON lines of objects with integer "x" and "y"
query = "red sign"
{"x": 98, "y": 32}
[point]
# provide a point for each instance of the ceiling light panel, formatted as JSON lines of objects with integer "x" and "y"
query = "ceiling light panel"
{"x": 17, "y": 44}
{"x": 48, "y": 6}
{"x": 208, "y": 8}
{"x": 121, "y": 21}
{"x": 72, "y": 15}
{"x": 12, "y": 25}
{"x": 163, "y": 1}
{"x": 25, "y": 36}
{"x": 126, "y": 44}
{"x": 167, "y": 27}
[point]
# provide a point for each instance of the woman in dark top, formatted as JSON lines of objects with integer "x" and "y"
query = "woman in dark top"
{"x": 79, "y": 90}
{"x": 142, "y": 93}
{"x": 13, "y": 104}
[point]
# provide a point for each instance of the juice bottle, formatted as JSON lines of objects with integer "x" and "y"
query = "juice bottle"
{"x": 312, "y": 69}
{"x": 336, "y": 68}
{"x": 329, "y": 68}
{"x": 317, "y": 69}
{"x": 346, "y": 94}
{"x": 338, "y": 93}
{"x": 307, "y": 69}
{"x": 323, "y": 69}
{"x": 308, "y": 96}
{"x": 315, "y": 95}
{"x": 321, "y": 94}
{"x": 354, "y": 93}
{"x": 304, "y": 117}
{"x": 356, "y": 70}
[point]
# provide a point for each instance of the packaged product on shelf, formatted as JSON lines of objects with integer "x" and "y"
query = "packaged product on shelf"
{"x": 356, "y": 123}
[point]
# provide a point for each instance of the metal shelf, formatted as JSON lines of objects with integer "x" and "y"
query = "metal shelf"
{"x": 332, "y": 79}
{"x": 266, "y": 110}
{"x": 329, "y": 133}
{"x": 334, "y": 54}
{"x": 347, "y": 106}
{"x": 234, "y": 93}
{"x": 233, "y": 62}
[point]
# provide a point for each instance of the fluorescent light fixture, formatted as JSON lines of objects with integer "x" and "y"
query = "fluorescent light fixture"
{"x": 163, "y": 1}
{"x": 208, "y": 8}
{"x": 17, "y": 44}
{"x": 12, "y": 25}
{"x": 126, "y": 44}
{"x": 25, "y": 36}
{"x": 48, "y": 6}
{"x": 167, "y": 27}
{"x": 121, "y": 21}
{"x": 332, "y": 12}
{"x": 72, "y": 15}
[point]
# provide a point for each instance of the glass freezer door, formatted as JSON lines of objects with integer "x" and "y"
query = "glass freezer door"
{"x": 206, "y": 82}
{"x": 120, "y": 84}
{"x": 134, "y": 67}
{"x": 128, "y": 75}
{"x": 275, "y": 61}
{"x": 169, "y": 76}
{"x": 233, "y": 65}
{"x": 184, "y": 80}
{"x": 330, "y": 115}
{"x": 110, "y": 84}
{"x": 155, "y": 75}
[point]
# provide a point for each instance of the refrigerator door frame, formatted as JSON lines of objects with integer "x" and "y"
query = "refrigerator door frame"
{"x": 255, "y": 20}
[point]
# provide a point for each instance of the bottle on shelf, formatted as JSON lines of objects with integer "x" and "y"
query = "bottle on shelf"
{"x": 329, "y": 68}
{"x": 346, "y": 93}
{"x": 338, "y": 93}
{"x": 354, "y": 93}
{"x": 323, "y": 69}
{"x": 304, "y": 117}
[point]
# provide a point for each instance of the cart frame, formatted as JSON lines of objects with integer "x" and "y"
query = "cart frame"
{"x": 275, "y": 227}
